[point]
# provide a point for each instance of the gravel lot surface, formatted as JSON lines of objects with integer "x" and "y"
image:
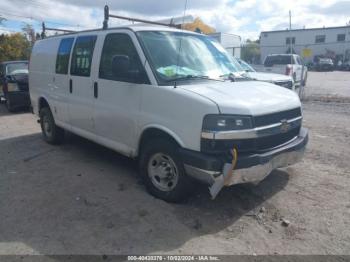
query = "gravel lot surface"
{"x": 80, "y": 198}
{"x": 328, "y": 86}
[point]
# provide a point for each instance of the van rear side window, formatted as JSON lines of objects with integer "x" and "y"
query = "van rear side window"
{"x": 63, "y": 54}
{"x": 82, "y": 55}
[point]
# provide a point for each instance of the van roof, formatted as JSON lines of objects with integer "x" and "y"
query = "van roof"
{"x": 135, "y": 28}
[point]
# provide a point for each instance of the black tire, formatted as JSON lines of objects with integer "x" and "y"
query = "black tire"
{"x": 178, "y": 191}
{"x": 52, "y": 134}
{"x": 304, "y": 80}
{"x": 9, "y": 106}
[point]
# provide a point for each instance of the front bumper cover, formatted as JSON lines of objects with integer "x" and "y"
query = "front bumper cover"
{"x": 250, "y": 168}
{"x": 19, "y": 98}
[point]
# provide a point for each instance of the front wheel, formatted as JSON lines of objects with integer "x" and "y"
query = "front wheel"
{"x": 304, "y": 80}
{"x": 52, "y": 134}
{"x": 162, "y": 170}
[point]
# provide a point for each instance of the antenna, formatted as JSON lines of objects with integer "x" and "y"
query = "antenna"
{"x": 180, "y": 45}
{"x": 107, "y": 15}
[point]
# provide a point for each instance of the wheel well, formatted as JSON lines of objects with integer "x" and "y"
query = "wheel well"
{"x": 43, "y": 103}
{"x": 151, "y": 133}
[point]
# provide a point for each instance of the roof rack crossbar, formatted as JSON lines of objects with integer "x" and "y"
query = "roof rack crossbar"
{"x": 107, "y": 15}
{"x": 44, "y": 29}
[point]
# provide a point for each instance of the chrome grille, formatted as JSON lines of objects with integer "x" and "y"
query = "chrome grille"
{"x": 286, "y": 84}
{"x": 273, "y": 118}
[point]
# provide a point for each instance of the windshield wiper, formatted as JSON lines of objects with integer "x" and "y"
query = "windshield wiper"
{"x": 188, "y": 77}
{"x": 234, "y": 77}
{"x": 229, "y": 76}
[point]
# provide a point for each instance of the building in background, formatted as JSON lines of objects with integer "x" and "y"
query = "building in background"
{"x": 311, "y": 44}
{"x": 231, "y": 42}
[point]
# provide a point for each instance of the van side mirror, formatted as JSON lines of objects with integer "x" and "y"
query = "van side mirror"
{"x": 120, "y": 65}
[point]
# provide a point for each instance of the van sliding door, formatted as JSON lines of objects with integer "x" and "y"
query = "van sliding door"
{"x": 61, "y": 81}
{"x": 81, "y": 93}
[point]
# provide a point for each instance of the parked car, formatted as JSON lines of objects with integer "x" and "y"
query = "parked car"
{"x": 345, "y": 66}
{"x": 287, "y": 64}
{"x": 179, "y": 113}
{"x": 14, "y": 84}
{"x": 277, "y": 79}
{"x": 324, "y": 64}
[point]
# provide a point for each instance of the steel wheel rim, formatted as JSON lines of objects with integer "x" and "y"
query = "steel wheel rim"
{"x": 163, "y": 172}
{"x": 47, "y": 126}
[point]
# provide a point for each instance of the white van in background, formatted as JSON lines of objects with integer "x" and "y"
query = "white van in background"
{"x": 180, "y": 114}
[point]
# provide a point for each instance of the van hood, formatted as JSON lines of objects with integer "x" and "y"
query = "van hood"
{"x": 269, "y": 77}
{"x": 247, "y": 97}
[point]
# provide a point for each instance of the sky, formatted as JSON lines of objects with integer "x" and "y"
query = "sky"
{"x": 246, "y": 18}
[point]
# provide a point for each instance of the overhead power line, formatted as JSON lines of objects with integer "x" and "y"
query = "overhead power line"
{"x": 9, "y": 30}
{"x": 5, "y": 13}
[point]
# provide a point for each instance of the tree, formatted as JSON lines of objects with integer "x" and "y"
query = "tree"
{"x": 29, "y": 32}
{"x": 199, "y": 26}
{"x": 251, "y": 51}
{"x": 14, "y": 47}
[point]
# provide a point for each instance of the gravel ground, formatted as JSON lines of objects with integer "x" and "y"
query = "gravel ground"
{"x": 80, "y": 198}
{"x": 328, "y": 86}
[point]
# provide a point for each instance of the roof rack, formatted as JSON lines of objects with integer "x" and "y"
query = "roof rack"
{"x": 107, "y": 15}
{"x": 44, "y": 29}
{"x": 173, "y": 22}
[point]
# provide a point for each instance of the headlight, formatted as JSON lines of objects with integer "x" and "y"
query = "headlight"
{"x": 12, "y": 87}
{"x": 226, "y": 122}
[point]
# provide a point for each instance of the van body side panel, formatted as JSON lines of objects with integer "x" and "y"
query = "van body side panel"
{"x": 41, "y": 73}
{"x": 175, "y": 109}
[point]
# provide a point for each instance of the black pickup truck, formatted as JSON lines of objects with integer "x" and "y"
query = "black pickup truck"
{"x": 14, "y": 84}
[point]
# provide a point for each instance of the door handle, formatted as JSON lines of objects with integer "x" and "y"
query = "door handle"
{"x": 95, "y": 89}
{"x": 70, "y": 86}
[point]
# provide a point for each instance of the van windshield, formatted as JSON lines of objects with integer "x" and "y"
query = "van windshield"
{"x": 184, "y": 56}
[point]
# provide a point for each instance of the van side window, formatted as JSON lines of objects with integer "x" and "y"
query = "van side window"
{"x": 120, "y": 60}
{"x": 63, "y": 54}
{"x": 82, "y": 55}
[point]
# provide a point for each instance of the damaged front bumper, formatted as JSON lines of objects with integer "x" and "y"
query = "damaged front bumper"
{"x": 250, "y": 168}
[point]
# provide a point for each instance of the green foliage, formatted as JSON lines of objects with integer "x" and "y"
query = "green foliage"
{"x": 14, "y": 47}
{"x": 199, "y": 25}
{"x": 251, "y": 51}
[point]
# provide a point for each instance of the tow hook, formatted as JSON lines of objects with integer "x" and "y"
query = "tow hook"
{"x": 38, "y": 121}
{"x": 225, "y": 178}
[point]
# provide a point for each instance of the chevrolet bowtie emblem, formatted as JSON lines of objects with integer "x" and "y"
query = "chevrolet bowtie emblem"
{"x": 285, "y": 126}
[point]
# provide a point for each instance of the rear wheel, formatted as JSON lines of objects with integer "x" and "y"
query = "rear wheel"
{"x": 162, "y": 171}
{"x": 52, "y": 134}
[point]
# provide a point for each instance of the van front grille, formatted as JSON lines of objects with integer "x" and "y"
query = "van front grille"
{"x": 268, "y": 119}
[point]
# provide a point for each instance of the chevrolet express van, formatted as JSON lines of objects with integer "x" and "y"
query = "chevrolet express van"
{"x": 170, "y": 99}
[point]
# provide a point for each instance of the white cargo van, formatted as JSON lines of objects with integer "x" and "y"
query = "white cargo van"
{"x": 170, "y": 99}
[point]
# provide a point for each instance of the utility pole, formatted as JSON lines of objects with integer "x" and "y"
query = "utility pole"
{"x": 290, "y": 32}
